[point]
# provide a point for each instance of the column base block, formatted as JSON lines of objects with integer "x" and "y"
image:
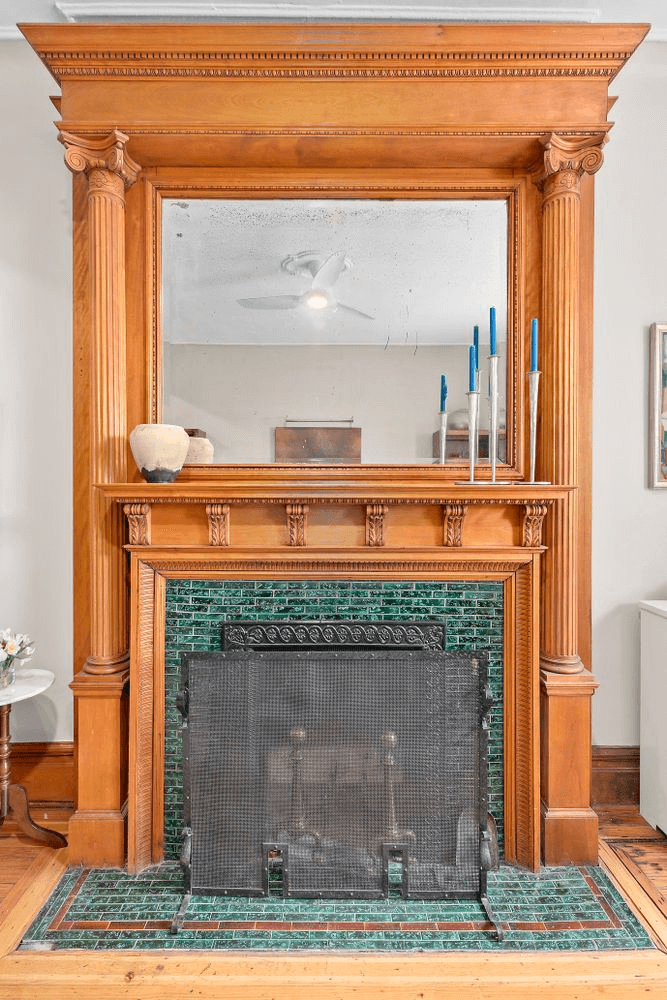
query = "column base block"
{"x": 569, "y": 836}
{"x": 98, "y": 839}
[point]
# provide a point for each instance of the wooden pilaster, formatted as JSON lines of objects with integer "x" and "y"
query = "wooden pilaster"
{"x": 571, "y": 836}
{"x": 109, "y": 171}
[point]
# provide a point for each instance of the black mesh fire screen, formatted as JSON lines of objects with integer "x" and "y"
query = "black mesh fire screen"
{"x": 338, "y": 764}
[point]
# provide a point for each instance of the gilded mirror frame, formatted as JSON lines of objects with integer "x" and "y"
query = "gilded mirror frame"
{"x": 356, "y": 183}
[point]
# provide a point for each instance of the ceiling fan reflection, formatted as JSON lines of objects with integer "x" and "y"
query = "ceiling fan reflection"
{"x": 325, "y": 272}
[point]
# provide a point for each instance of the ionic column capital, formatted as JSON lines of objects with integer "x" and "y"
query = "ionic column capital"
{"x": 565, "y": 160}
{"x": 86, "y": 155}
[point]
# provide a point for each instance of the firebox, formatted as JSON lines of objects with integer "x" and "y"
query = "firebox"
{"x": 330, "y": 759}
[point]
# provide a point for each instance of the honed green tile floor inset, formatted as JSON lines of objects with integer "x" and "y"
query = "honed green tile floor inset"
{"x": 564, "y": 909}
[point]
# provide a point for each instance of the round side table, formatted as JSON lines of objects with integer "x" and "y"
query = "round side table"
{"x": 14, "y": 798}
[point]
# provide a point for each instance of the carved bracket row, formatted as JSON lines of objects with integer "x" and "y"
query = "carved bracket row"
{"x": 453, "y": 515}
{"x": 218, "y": 514}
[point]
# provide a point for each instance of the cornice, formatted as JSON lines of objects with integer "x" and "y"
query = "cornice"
{"x": 330, "y": 51}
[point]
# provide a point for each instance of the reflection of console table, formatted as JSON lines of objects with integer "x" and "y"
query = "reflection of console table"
{"x": 457, "y": 444}
{"x": 14, "y": 798}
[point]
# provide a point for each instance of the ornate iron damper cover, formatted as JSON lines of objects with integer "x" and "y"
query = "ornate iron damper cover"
{"x": 336, "y": 768}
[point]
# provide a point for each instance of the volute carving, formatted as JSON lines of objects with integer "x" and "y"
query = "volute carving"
{"x": 139, "y": 522}
{"x": 93, "y": 156}
{"x": 452, "y": 526}
{"x": 296, "y": 523}
{"x": 532, "y": 524}
{"x": 218, "y": 523}
{"x": 375, "y": 514}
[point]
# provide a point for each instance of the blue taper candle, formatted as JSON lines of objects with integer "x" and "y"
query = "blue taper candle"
{"x": 443, "y": 393}
{"x": 492, "y": 330}
{"x": 533, "y": 346}
{"x": 473, "y": 369}
{"x": 475, "y": 340}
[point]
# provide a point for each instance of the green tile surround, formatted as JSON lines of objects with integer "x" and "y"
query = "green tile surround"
{"x": 196, "y": 608}
{"x": 559, "y": 909}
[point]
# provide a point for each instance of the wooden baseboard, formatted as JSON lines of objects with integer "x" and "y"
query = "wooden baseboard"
{"x": 615, "y": 776}
{"x": 47, "y": 771}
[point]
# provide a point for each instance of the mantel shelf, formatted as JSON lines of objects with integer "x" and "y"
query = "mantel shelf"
{"x": 240, "y": 489}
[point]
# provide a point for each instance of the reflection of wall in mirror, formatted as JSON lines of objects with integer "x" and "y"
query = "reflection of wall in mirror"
{"x": 663, "y": 408}
{"x": 239, "y": 394}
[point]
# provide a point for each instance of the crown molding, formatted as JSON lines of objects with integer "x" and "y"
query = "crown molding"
{"x": 82, "y": 10}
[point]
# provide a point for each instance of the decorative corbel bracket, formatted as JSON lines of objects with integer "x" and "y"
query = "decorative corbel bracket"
{"x": 296, "y": 523}
{"x": 533, "y": 519}
{"x": 452, "y": 524}
{"x": 375, "y": 514}
{"x": 139, "y": 522}
{"x": 218, "y": 523}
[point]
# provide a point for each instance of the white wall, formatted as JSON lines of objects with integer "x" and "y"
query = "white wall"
{"x": 629, "y": 520}
{"x": 239, "y": 394}
{"x": 35, "y": 387}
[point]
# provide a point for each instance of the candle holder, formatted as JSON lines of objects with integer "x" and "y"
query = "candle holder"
{"x": 442, "y": 441}
{"x": 533, "y": 392}
{"x": 493, "y": 414}
{"x": 473, "y": 414}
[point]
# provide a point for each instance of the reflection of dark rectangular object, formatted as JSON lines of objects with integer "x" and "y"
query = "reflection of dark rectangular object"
{"x": 324, "y": 445}
{"x": 343, "y": 759}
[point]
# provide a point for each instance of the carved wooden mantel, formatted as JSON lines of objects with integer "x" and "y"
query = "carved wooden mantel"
{"x": 517, "y": 112}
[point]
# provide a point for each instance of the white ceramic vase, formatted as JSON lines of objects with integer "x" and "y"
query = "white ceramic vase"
{"x": 159, "y": 451}
{"x": 200, "y": 451}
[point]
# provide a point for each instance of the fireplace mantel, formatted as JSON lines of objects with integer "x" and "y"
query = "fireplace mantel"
{"x": 517, "y": 112}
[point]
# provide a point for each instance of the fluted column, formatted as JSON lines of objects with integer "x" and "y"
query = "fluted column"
{"x": 565, "y": 161}
{"x": 568, "y": 824}
{"x": 97, "y": 832}
{"x": 110, "y": 171}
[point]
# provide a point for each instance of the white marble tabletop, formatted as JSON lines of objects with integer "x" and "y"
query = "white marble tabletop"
{"x": 28, "y": 683}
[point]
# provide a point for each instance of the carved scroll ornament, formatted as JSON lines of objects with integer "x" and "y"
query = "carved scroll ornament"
{"x": 85, "y": 155}
{"x": 139, "y": 522}
{"x": 375, "y": 514}
{"x": 452, "y": 526}
{"x": 218, "y": 523}
{"x": 296, "y": 523}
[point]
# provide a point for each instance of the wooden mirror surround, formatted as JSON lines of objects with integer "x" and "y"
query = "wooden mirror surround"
{"x": 331, "y": 111}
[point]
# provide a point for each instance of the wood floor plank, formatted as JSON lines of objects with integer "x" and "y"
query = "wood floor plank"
{"x": 29, "y": 893}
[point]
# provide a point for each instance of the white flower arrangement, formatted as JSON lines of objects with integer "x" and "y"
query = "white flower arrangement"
{"x": 14, "y": 646}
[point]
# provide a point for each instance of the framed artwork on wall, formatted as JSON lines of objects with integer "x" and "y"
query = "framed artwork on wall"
{"x": 658, "y": 406}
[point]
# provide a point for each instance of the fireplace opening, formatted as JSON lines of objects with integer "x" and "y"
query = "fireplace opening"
{"x": 336, "y": 760}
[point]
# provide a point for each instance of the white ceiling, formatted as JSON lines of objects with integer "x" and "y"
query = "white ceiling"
{"x": 426, "y": 271}
{"x": 13, "y": 11}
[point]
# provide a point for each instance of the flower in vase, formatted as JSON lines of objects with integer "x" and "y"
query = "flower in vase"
{"x": 14, "y": 647}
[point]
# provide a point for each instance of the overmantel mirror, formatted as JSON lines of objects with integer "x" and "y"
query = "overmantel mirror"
{"x": 287, "y": 320}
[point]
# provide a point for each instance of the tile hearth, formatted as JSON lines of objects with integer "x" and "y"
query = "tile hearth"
{"x": 564, "y": 909}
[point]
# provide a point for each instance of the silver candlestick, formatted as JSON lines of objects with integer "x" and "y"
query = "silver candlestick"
{"x": 443, "y": 437}
{"x": 473, "y": 414}
{"x": 533, "y": 392}
{"x": 493, "y": 414}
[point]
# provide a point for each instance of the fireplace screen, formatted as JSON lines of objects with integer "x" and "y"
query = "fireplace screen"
{"x": 330, "y": 773}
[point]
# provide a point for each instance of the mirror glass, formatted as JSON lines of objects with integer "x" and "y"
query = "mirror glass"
{"x": 332, "y": 314}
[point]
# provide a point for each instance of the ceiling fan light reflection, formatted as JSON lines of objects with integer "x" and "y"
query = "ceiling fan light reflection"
{"x": 317, "y": 301}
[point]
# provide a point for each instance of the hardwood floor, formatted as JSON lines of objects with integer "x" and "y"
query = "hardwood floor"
{"x": 635, "y": 857}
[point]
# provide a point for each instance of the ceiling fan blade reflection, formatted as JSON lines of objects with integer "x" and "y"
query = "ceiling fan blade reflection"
{"x": 271, "y": 302}
{"x": 356, "y": 312}
{"x": 330, "y": 271}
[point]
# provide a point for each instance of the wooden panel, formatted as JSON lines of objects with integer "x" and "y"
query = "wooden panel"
{"x": 181, "y": 524}
{"x": 413, "y": 525}
{"x": 615, "y": 776}
{"x": 46, "y": 770}
{"x": 339, "y": 526}
{"x": 255, "y": 525}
